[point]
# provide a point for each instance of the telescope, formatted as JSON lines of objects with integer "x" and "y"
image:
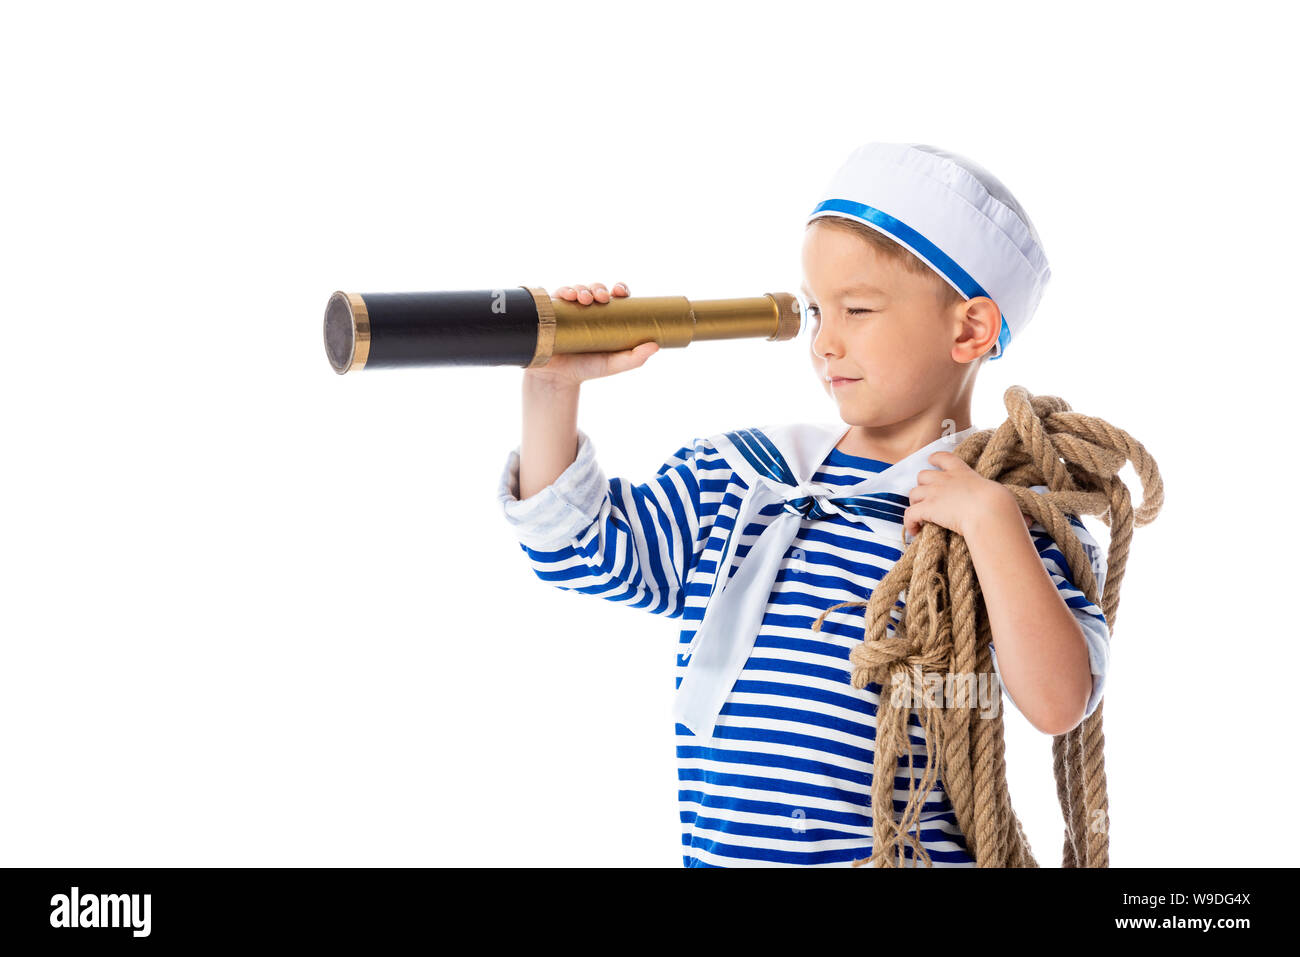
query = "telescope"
{"x": 523, "y": 326}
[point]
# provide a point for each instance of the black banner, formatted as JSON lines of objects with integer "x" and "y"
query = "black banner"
{"x": 139, "y": 908}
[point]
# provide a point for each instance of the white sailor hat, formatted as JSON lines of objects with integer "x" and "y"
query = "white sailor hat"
{"x": 954, "y": 215}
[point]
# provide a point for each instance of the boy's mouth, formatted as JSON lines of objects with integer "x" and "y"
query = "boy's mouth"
{"x": 837, "y": 381}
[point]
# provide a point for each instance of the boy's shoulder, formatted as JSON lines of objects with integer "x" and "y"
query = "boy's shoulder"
{"x": 1097, "y": 557}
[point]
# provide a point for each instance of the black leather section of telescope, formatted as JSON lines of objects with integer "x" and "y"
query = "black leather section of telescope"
{"x": 480, "y": 327}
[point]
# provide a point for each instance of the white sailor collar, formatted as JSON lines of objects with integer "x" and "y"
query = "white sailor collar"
{"x": 777, "y": 463}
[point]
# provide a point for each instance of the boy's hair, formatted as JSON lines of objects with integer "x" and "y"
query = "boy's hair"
{"x": 895, "y": 253}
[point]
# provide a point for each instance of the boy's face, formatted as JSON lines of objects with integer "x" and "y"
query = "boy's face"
{"x": 879, "y": 324}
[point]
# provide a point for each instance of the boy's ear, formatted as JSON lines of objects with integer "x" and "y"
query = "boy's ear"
{"x": 980, "y": 324}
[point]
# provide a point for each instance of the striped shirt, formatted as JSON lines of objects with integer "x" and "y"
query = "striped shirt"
{"x": 786, "y": 778}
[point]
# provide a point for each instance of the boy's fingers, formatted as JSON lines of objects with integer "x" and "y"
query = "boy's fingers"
{"x": 594, "y": 291}
{"x": 597, "y": 291}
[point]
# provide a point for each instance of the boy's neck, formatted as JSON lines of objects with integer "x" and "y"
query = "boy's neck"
{"x": 893, "y": 443}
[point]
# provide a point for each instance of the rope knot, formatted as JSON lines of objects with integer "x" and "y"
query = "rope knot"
{"x": 897, "y": 659}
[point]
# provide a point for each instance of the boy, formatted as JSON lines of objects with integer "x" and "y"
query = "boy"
{"x": 918, "y": 267}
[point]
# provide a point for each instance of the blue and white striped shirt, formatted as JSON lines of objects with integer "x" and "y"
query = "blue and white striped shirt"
{"x": 786, "y": 778}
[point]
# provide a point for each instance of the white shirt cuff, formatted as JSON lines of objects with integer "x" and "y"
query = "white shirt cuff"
{"x": 557, "y": 514}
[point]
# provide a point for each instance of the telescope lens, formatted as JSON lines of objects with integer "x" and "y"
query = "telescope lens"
{"x": 340, "y": 333}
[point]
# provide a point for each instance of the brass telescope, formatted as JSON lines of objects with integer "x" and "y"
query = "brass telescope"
{"x": 523, "y": 326}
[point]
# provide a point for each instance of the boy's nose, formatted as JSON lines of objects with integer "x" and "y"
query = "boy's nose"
{"x": 826, "y": 340}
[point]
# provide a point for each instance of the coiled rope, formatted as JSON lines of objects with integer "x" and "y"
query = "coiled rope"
{"x": 944, "y": 630}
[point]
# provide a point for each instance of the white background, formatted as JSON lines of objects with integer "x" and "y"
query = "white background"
{"x": 259, "y": 613}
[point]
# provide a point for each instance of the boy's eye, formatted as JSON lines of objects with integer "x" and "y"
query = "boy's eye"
{"x": 814, "y": 312}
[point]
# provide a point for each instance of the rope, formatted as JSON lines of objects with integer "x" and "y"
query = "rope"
{"x": 943, "y": 631}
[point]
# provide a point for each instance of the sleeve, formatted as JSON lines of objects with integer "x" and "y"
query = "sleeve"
{"x": 1096, "y": 630}
{"x": 635, "y": 544}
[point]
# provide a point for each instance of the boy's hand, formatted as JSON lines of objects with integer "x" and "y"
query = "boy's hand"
{"x": 957, "y": 497}
{"x": 574, "y": 369}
